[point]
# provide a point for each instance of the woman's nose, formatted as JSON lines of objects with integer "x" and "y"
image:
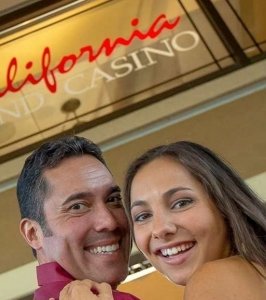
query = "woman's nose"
{"x": 162, "y": 227}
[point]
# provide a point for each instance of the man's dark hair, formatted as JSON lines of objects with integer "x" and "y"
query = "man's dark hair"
{"x": 32, "y": 187}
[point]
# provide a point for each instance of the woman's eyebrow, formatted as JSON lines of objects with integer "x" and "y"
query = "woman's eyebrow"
{"x": 172, "y": 191}
{"x": 166, "y": 195}
{"x": 138, "y": 203}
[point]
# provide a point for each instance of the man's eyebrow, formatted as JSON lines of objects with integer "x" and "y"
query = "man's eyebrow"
{"x": 115, "y": 189}
{"x": 87, "y": 195}
{"x": 78, "y": 195}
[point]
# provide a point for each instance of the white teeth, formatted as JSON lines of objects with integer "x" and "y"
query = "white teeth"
{"x": 164, "y": 252}
{"x": 104, "y": 249}
{"x": 176, "y": 250}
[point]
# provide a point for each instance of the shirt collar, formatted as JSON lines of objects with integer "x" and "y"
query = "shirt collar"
{"x": 52, "y": 272}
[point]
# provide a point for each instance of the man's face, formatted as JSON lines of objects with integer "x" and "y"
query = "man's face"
{"x": 90, "y": 235}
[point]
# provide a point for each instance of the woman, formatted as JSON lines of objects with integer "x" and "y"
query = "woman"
{"x": 198, "y": 223}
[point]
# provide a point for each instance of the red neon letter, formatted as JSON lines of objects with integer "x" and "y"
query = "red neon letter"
{"x": 107, "y": 47}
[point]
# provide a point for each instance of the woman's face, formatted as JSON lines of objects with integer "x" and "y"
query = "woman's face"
{"x": 176, "y": 224}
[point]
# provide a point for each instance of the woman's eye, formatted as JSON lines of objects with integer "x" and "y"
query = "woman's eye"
{"x": 141, "y": 217}
{"x": 182, "y": 203}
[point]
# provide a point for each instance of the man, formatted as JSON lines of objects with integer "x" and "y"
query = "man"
{"x": 72, "y": 217}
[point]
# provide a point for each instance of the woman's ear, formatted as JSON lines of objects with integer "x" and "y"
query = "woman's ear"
{"x": 32, "y": 233}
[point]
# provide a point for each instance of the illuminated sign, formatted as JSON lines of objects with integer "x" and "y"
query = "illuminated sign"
{"x": 134, "y": 61}
{"x": 67, "y": 62}
{"x": 119, "y": 67}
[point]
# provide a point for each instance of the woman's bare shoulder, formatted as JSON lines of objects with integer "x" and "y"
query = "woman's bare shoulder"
{"x": 230, "y": 278}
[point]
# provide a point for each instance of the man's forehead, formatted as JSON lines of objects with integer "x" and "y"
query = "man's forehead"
{"x": 75, "y": 172}
{"x": 77, "y": 162}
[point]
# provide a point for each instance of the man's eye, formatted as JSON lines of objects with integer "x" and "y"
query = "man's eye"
{"x": 78, "y": 207}
{"x": 182, "y": 203}
{"x": 115, "y": 200}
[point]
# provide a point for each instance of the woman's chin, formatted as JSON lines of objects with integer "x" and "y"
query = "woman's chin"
{"x": 178, "y": 279}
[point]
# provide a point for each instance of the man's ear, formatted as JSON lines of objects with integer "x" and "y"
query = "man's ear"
{"x": 32, "y": 233}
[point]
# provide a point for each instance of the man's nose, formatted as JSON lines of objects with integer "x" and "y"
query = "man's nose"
{"x": 104, "y": 219}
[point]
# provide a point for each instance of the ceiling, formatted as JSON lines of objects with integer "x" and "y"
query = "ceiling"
{"x": 10, "y": 4}
{"x": 23, "y": 114}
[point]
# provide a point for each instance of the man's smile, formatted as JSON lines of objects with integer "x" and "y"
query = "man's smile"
{"x": 108, "y": 249}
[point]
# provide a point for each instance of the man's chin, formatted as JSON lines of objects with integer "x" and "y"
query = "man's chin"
{"x": 115, "y": 280}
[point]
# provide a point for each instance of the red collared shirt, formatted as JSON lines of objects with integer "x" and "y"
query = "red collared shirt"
{"x": 52, "y": 278}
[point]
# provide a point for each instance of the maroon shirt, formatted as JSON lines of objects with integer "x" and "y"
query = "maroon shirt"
{"x": 52, "y": 278}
